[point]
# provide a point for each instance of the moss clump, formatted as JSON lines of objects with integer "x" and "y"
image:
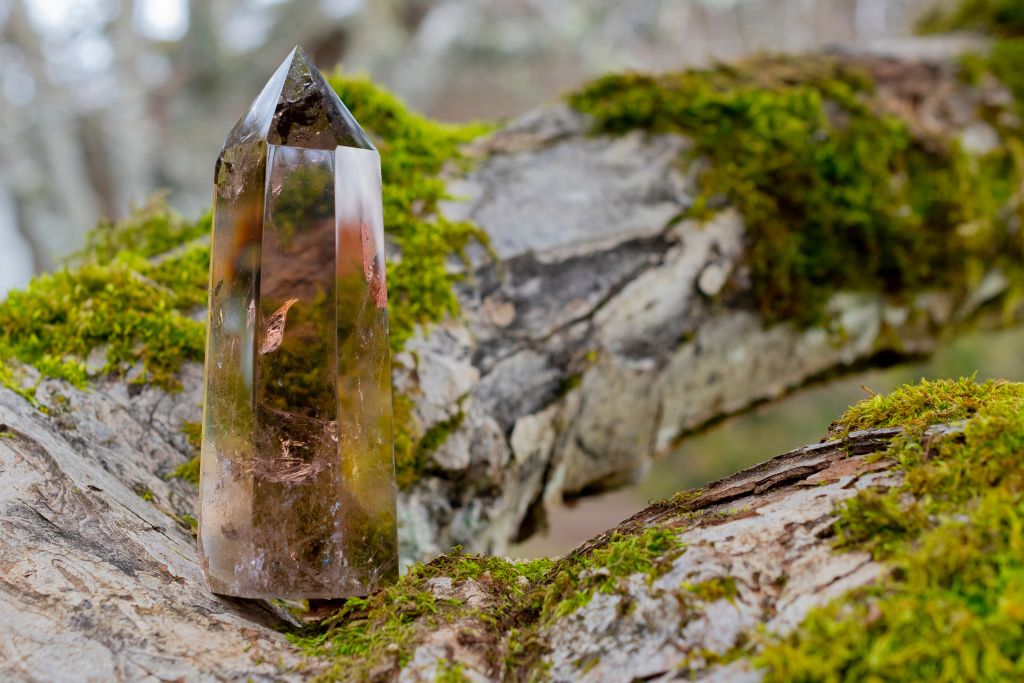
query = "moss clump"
{"x": 145, "y": 493}
{"x": 188, "y": 470}
{"x": 377, "y": 632}
{"x": 951, "y": 608}
{"x": 998, "y": 17}
{"x": 717, "y": 588}
{"x": 136, "y": 309}
{"x": 450, "y": 673}
{"x": 579, "y": 577}
{"x": 802, "y": 149}
{"x": 150, "y": 230}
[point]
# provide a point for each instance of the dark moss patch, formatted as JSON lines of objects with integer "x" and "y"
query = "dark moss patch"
{"x": 951, "y": 607}
{"x": 998, "y": 17}
{"x": 836, "y": 194}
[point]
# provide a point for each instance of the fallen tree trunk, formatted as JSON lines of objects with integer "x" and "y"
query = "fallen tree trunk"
{"x": 640, "y": 272}
{"x": 100, "y": 579}
{"x": 612, "y": 325}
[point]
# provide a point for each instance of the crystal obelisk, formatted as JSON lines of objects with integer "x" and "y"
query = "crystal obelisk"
{"x": 297, "y": 478}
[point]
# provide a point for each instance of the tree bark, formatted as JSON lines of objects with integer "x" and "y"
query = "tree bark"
{"x": 99, "y": 578}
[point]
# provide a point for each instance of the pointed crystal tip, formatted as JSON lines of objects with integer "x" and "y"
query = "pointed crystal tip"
{"x": 298, "y": 108}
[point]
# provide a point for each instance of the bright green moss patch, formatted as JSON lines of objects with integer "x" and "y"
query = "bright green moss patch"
{"x": 916, "y": 406}
{"x": 579, "y": 577}
{"x": 137, "y": 312}
{"x": 835, "y": 195}
{"x": 952, "y": 606}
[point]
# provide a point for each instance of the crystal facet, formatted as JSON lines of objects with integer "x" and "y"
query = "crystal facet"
{"x": 297, "y": 475}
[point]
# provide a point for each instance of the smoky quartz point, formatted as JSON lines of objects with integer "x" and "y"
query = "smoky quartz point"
{"x": 297, "y": 476}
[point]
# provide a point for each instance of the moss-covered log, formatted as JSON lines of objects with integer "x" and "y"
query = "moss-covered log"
{"x": 672, "y": 248}
{"x": 890, "y": 549}
{"x": 574, "y": 292}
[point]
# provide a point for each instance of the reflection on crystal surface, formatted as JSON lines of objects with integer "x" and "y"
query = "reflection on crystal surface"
{"x": 297, "y": 484}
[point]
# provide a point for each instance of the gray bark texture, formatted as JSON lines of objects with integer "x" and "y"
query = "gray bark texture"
{"x": 601, "y": 339}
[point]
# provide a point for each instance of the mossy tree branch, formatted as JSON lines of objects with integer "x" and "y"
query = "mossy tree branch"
{"x": 641, "y": 245}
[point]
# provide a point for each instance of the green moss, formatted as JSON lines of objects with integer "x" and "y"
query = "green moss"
{"x": 717, "y": 588}
{"x": 577, "y": 580}
{"x": 121, "y": 306}
{"x": 377, "y": 633}
{"x": 414, "y": 150}
{"x": 951, "y": 608}
{"x": 998, "y": 17}
{"x": 571, "y": 381}
{"x": 916, "y": 406}
{"x": 411, "y": 464}
{"x": 189, "y": 522}
{"x": 145, "y": 493}
{"x": 188, "y": 470}
{"x": 193, "y": 431}
{"x": 801, "y": 149}
{"x": 369, "y": 633}
{"x": 447, "y": 672}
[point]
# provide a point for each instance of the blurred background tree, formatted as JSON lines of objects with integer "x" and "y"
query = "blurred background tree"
{"x": 104, "y": 102}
